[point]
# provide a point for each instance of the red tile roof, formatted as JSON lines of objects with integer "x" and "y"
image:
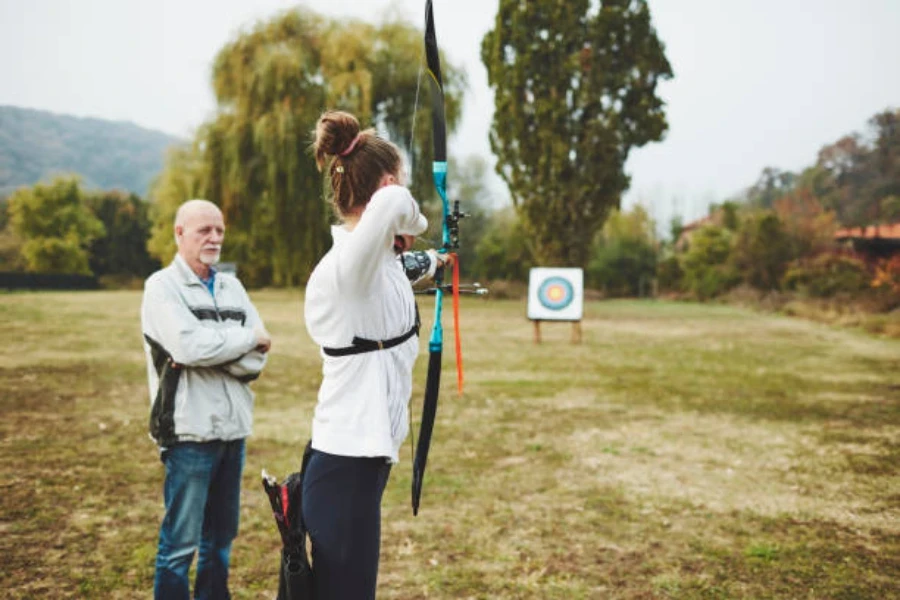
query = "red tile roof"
{"x": 891, "y": 231}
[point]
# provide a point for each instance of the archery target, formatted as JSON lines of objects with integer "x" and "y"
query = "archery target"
{"x": 555, "y": 294}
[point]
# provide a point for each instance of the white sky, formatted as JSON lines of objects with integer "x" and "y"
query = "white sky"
{"x": 757, "y": 82}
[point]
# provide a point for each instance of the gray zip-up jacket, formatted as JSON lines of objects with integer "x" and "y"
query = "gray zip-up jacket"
{"x": 200, "y": 356}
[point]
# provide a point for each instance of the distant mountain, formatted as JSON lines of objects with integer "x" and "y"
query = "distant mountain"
{"x": 36, "y": 144}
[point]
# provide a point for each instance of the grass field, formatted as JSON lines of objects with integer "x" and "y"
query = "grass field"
{"x": 681, "y": 451}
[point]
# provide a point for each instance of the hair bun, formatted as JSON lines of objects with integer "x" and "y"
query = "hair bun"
{"x": 335, "y": 132}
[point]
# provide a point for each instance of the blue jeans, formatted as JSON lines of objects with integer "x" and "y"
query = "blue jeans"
{"x": 202, "y": 495}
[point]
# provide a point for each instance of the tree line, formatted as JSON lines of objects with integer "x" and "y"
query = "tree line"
{"x": 574, "y": 99}
{"x": 575, "y": 89}
{"x": 778, "y": 235}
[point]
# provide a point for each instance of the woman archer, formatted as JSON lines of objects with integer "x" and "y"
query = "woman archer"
{"x": 360, "y": 309}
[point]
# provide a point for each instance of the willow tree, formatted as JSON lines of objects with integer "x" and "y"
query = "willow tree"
{"x": 574, "y": 86}
{"x": 182, "y": 178}
{"x": 253, "y": 158}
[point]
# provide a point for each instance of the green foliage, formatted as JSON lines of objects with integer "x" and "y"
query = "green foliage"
{"x": 623, "y": 261}
{"x": 762, "y": 250}
{"x": 828, "y": 275}
{"x": 890, "y": 208}
{"x": 469, "y": 187}
{"x": 10, "y": 243}
{"x": 122, "y": 250}
{"x": 708, "y": 271}
{"x": 854, "y": 178}
{"x": 731, "y": 215}
{"x": 181, "y": 179}
{"x": 56, "y": 226}
{"x": 504, "y": 252}
{"x": 676, "y": 226}
{"x": 574, "y": 91}
{"x": 771, "y": 185}
{"x": 252, "y": 159}
{"x": 36, "y": 145}
{"x": 808, "y": 225}
{"x": 857, "y": 177}
{"x": 669, "y": 274}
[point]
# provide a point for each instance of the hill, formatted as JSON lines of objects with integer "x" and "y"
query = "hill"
{"x": 36, "y": 144}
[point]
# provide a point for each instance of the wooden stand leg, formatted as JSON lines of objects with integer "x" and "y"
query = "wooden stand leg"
{"x": 537, "y": 331}
{"x": 576, "y": 332}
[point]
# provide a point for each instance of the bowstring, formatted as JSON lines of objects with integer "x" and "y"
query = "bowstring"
{"x": 412, "y": 171}
{"x": 412, "y": 132}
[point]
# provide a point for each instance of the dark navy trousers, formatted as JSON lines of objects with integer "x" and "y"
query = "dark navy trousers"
{"x": 342, "y": 511}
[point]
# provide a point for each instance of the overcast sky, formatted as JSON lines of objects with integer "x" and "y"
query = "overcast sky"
{"x": 757, "y": 82}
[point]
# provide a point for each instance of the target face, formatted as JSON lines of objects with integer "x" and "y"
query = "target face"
{"x": 555, "y": 294}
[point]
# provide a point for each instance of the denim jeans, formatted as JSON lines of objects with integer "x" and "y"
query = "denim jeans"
{"x": 202, "y": 495}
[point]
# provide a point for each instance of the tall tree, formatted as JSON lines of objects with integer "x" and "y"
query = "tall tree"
{"x": 122, "y": 250}
{"x": 842, "y": 177}
{"x": 859, "y": 177}
{"x": 771, "y": 185}
{"x": 56, "y": 225}
{"x": 181, "y": 179}
{"x": 809, "y": 226}
{"x": 253, "y": 158}
{"x": 575, "y": 90}
{"x": 886, "y": 165}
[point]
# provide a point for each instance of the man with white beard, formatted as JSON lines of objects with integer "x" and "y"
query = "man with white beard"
{"x": 204, "y": 342}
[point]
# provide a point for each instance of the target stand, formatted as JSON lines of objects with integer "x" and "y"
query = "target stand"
{"x": 556, "y": 294}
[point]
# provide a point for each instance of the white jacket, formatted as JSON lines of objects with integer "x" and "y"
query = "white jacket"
{"x": 359, "y": 289}
{"x": 212, "y": 341}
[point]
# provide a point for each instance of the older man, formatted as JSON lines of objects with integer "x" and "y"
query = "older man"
{"x": 204, "y": 342}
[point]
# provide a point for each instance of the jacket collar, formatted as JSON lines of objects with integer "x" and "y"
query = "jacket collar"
{"x": 187, "y": 275}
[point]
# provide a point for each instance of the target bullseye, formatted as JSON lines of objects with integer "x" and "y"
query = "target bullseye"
{"x": 556, "y": 293}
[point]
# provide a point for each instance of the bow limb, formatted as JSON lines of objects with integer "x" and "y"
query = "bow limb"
{"x": 450, "y": 241}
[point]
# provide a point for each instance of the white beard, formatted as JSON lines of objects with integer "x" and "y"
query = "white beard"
{"x": 210, "y": 259}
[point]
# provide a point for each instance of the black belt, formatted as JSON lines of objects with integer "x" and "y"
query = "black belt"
{"x": 361, "y": 345}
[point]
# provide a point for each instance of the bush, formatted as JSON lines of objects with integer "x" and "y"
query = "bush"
{"x": 828, "y": 275}
{"x": 622, "y": 267}
{"x": 623, "y": 256}
{"x": 887, "y": 276}
{"x": 669, "y": 274}
{"x": 762, "y": 250}
{"x": 707, "y": 272}
{"x": 503, "y": 251}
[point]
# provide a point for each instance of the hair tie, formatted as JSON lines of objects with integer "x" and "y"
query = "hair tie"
{"x": 351, "y": 146}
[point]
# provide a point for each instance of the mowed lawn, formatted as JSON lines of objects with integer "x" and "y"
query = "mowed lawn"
{"x": 680, "y": 451}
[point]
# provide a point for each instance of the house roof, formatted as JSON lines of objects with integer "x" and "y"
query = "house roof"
{"x": 871, "y": 232}
{"x": 697, "y": 224}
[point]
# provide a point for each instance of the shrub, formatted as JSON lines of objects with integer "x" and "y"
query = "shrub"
{"x": 707, "y": 272}
{"x": 624, "y": 254}
{"x": 762, "y": 250}
{"x": 669, "y": 274}
{"x": 887, "y": 275}
{"x": 827, "y": 275}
